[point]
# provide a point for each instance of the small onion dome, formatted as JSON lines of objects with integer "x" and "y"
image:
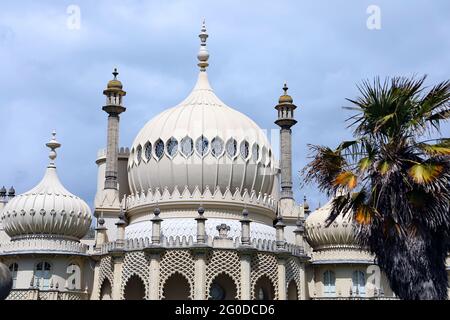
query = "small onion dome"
{"x": 285, "y": 98}
{"x": 48, "y": 209}
{"x": 339, "y": 233}
{"x": 114, "y": 85}
{"x": 3, "y": 191}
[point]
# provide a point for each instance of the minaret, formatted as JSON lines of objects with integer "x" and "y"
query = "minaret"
{"x": 285, "y": 121}
{"x": 114, "y": 108}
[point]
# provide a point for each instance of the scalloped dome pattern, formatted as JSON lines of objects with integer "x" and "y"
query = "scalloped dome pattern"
{"x": 47, "y": 209}
{"x": 201, "y": 142}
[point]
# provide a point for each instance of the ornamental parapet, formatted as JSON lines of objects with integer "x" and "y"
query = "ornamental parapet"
{"x": 187, "y": 242}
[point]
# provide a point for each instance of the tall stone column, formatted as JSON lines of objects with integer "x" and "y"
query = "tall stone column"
{"x": 246, "y": 251}
{"x": 155, "y": 262}
{"x": 96, "y": 284}
{"x": 285, "y": 121}
{"x": 246, "y": 288}
{"x": 118, "y": 258}
{"x": 303, "y": 281}
{"x": 200, "y": 275}
{"x": 282, "y": 277}
{"x": 114, "y": 108}
{"x": 200, "y": 252}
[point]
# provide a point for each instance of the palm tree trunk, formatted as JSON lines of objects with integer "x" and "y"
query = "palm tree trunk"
{"x": 415, "y": 266}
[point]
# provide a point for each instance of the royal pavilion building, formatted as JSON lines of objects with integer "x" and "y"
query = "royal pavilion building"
{"x": 197, "y": 208}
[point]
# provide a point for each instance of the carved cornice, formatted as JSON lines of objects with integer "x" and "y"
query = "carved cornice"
{"x": 144, "y": 200}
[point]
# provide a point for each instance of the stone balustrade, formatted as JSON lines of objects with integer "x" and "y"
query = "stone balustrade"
{"x": 186, "y": 242}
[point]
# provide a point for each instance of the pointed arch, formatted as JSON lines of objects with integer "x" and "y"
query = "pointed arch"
{"x": 135, "y": 288}
{"x": 176, "y": 287}
{"x": 264, "y": 289}
{"x": 223, "y": 287}
{"x": 292, "y": 290}
{"x": 106, "y": 290}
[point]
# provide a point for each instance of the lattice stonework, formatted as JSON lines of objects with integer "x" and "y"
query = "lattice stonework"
{"x": 106, "y": 272}
{"x": 177, "y": 261}
{"x": 223, "y": 261}
{"x": 136, "y": 263}
{"x": 293, "y": 273}
{"x": 264, "y": 264}
{"x": 18, "y": 295}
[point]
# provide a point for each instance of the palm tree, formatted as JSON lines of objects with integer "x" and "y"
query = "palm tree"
{"x": 394, "y": 177}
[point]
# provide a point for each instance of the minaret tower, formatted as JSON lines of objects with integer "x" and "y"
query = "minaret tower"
{"x": 285, "y": 121}
{"x": 114, "y": 94}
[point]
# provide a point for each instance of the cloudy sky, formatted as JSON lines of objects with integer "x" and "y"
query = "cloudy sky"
{"x": 52, "y": 73}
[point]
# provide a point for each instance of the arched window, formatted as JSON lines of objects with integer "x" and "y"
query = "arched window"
{"x": 148, "y": 151}
{"x": 187, "y": 146}
{"x": 264, "y": 289}
{"x": 359, "y": 283}
{"x": 217, "y": 147}
{"x": 255, "y": 152}
{"x": 329, "y": 284}
{"x": 264, "y": 156}
{"x": 139, "y": 154}
{"x": 292, "y": 291}
{"x": 231, "y": 148}
{"x": 159, "y": 149}
{"x": 172, "y": 147}
{"x": 106, "y": 290}
{"x": 134, "y": 289}
{"x": 177, "y": 287}
{"x": 202, "y": 146}
{"x": 42, "y": 274}
{"x": 245, "y": 150}
{"x": 14, "y": 268}
{"x": 223, "y": 287}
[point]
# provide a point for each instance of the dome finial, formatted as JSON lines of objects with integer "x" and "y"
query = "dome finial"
{"x": 203, "y": 54}
{"x": 53, "y": 145}
{"x": 115, "y": 73}
{"x": 285, "y": 88}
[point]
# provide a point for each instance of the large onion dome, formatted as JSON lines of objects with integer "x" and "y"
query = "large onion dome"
{"x": 48, "y": 209}
{"x": 201, "y": 142}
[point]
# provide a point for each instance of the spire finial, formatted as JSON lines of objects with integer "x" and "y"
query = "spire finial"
{"x": 285, "y": 88}
{"x": 203, "y": 54}
{"x": 115, "y": 73}
{"x": 53, "y": 145}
